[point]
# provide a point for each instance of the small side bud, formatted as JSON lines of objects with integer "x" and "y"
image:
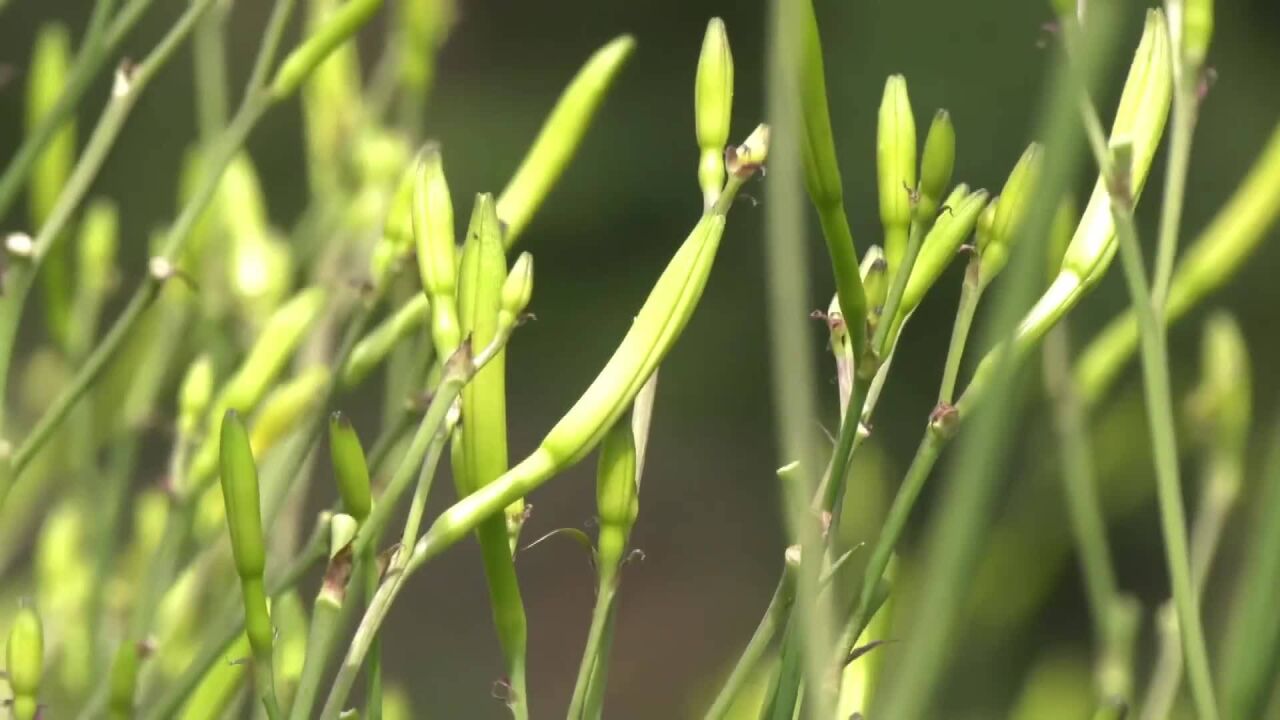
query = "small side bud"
{"x": 342, "y": 532}
{"x": 517, "y": 290}
{"x": 745, "y": 159}
{"x": 350, "y": 468}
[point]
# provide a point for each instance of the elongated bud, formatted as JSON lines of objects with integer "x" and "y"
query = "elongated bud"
{"x": 194, "y": 395}
{"x": 280, "y": 336}
{"x": 940, "y": 246}
{"x": 875, "y": 279}
{"x": 240, "y": 199}
{"x": 1140, "y": 120}
{"x": 240, "y": 494}
{"x": 373, "y": 348}
{"x": 437, "y": 252}
{"x": 617, "y": 496}
{"x": 397, "y": 240}
{"x": 286, "y": 408}
{"x": 47, "y": 79}
{"x": 936, "y": 166}
{"x": 996, "y": 243}
{"x": 1221, "y": 406}
{"x": 559, "y": 137}
{"x": 350, "y": 469}
{"x": 517, "y": 290}
{"x": 1197, "y": 32}
{"x": 340, "y": 27}
{"x": 25, "y": 658}
{"x": 895, "y": 167}
{"x": 713, "y": 107}
{"x": 99, "y": 241}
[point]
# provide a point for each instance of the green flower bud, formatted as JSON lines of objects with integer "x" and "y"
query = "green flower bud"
{"x": 194, "y": 395}
{"x": 875, "y": 279}
{"x": 373, "y": 348}
{"x": 1140, "y": 117}
{"x": 995, "y": 245}
{"x": 99, "y": 241}
{"x": 437, "y": 253}
{"x": 713, "y": 107}
{"x": 940, "y": 246}
{"x": 46, "y": 81}
{"x": 47, "y": 78}
{"x": 895, "y": 167}
{"x": 338, "y": 28}
{"x": 241, "y": 202}
{"x": 1197, "y": 31}
{"x": 936, "y": 165}
{"x": 219, "y": 686}
{"x": 381, "y": 157}
{"x": 280, "y": 336}
{"x": 284, "y": 410}
{"x": 342, "y": 532}
{"x": 240, "y": 494}
{"x": 559, "y": 137}
{"x": 517, "y": 290}
{"x": 1222, "y": 405}
{"x": 350, "y": 469}
{"x": 25, "y": 657}
{"x": 617, "y": 496}
{"x": 657, "y": 326}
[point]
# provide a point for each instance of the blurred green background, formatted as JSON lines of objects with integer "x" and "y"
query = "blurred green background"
{"x": 709, "y": 525}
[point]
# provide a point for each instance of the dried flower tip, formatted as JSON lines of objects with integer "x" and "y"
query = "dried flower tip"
{"x": 745, "y": 159}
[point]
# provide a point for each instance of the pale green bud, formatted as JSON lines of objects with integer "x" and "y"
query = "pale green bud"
{"x": 713, "y": 107}
{"x": 996, "y": 244}
{"x": 895, "y": 166}
{"x": 1197, "y": 31}
{"x": 437, "y": 252}
{"x": 517, "y": 290}
{"x": 194, "y": 395}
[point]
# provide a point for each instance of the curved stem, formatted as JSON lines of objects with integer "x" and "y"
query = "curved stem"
{"x": 970, "y": 294}
{"x": 591, "y": 653}
{"x": 774, "y": 618}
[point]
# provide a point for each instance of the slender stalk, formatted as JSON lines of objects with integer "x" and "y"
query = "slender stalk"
{"x": 1164, "y": 446}
{"x": 1221, "y": 489}
{"x": 600, "y": 672}
{"x": 901, "y": 274}
{"x": 271, "y": 36}
{"x": 210, "y": 72}
{"x": 1114, "y": 674}
{"x": 373, "y": 665}
{"x": 970, "y": 294}
{"x": 791, "y": 361}
{"x": 744, "y": 669}
{"x": 595, "y": 638}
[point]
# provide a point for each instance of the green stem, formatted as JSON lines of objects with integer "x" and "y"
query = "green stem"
{"x": 1084, "y": 510}
{"x": 902, "y": 273}
{"x": 600, "y": 673}
{"x": 744, "y": 669}
{"x": 210, "y": 66}
{"x": 1182, "y": 128}
{"x": 1164, "y": 446}
{"x": 325, "y": 624}
{"x": 373, "y": 664}
{"x": 1218, "y": 497}
{"x": 970, "y": 294}
{"x": 271, "y": 36}
{"x": 591, "y": 653}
